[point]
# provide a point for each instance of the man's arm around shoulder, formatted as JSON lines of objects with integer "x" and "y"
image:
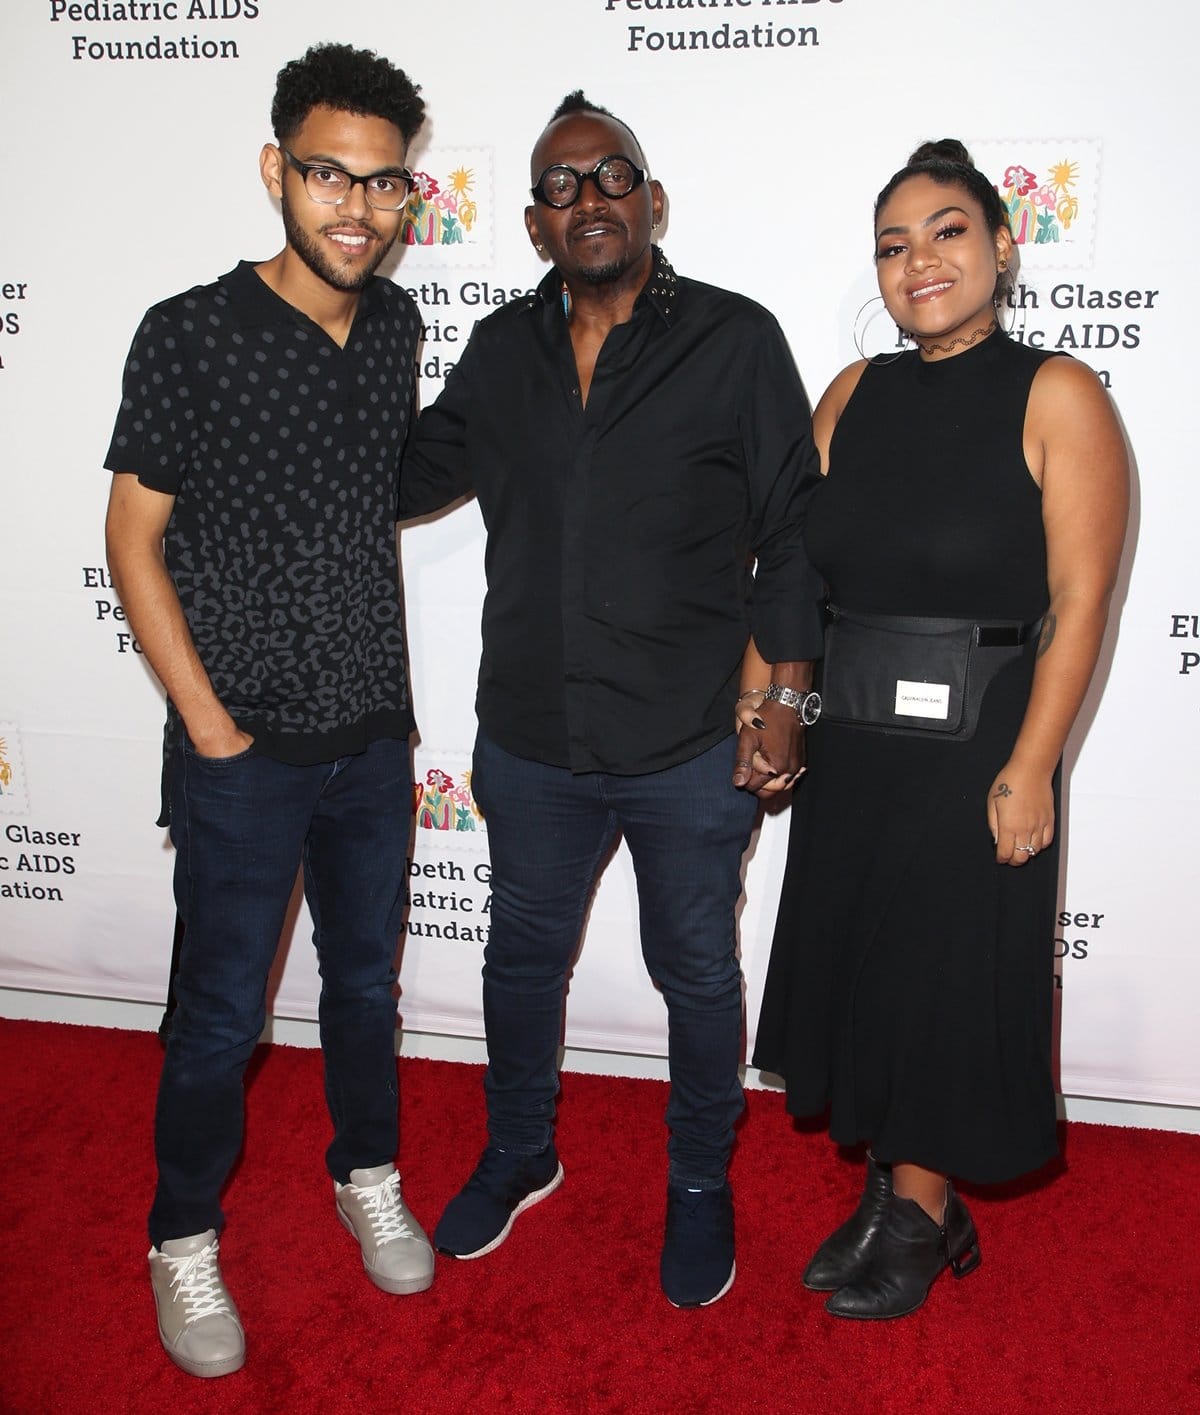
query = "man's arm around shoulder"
{"x": 434, "y": 470}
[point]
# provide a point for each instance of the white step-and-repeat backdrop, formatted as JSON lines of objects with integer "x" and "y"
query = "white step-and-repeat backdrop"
{"x": 130, "y": 149}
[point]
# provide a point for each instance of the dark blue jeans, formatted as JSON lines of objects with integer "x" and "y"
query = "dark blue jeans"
{"x": 548, "y": 831}
{"x": 241, "y": 826}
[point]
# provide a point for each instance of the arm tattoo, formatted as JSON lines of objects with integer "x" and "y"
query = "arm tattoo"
{"x": 1004, "y": 789}
{"x": 1046, "y": 638}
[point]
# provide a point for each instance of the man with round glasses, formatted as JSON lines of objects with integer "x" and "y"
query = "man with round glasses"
{"x": 251, "y": 535}
{"x": 615, "y": 176}
{"x": 636, "y": 441}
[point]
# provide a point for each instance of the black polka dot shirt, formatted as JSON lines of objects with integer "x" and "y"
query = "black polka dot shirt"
{"x": 282, "y": 451}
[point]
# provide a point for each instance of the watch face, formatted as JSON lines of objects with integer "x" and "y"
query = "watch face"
{"x": 810, "y": 708}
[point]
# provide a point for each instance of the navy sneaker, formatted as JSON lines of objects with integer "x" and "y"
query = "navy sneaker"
{"x": 504, "y": 1185}
{"x": 697, "y": 1258}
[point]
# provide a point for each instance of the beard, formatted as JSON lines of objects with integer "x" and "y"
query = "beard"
{"x": 321, "y": 262}
{"x": 609, "y": 268}
{"x": 603, "y": 274}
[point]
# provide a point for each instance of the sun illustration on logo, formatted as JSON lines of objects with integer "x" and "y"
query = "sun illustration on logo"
{"x": 440, "y": 214}
{"x": 439, "y": 803}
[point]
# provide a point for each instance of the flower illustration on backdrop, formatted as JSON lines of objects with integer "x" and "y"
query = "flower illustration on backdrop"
{"x": 440, "y": 213}
{"x": 441, "y": 803}
{"x": 1020, "y": 179}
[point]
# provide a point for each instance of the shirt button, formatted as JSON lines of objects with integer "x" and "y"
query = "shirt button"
{"x": 575, "y": 391}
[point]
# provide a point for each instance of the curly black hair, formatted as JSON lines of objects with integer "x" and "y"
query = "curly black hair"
{"x": 352, "y": 80}
{"x": 575, "y": 102}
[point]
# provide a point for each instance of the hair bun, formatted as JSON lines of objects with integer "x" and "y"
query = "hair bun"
{"x": 945, "y": 150}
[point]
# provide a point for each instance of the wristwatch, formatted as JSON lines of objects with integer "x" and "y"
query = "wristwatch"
{"x": 806, "y": 705}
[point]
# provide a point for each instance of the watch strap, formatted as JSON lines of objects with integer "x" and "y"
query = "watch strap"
{"x": 805, "y": 703}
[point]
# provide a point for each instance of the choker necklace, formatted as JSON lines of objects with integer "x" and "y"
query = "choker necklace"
{"x": 965, "y": 340}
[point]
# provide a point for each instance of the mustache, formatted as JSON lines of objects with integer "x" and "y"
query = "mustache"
{"x": 591, "y": 223}
{"x": 364, "y": 228}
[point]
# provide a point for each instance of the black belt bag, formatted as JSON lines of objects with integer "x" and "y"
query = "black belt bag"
{"x": 897, "y": 673}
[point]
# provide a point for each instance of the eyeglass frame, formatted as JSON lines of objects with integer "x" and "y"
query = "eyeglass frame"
{"x": 538, "y": 193}
{"x": 304, "y": 168}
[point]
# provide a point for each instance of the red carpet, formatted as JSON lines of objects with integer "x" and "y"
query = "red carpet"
{"x": 1086, "y": 1301}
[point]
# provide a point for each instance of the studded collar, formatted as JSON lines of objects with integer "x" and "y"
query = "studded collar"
{"x": 662, "y": 288}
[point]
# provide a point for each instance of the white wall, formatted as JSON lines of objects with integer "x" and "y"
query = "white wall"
{"x": 138, "y": 177}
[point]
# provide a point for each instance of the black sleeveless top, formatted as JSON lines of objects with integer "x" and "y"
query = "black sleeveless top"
{"x": 929, "y": 507}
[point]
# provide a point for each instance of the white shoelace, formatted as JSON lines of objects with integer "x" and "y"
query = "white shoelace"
{"x": 197, "y": 1279}
{"x": 382, "y": 1204}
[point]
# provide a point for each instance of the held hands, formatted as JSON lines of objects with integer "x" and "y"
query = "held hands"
{"x": 770, "y": 746}
{"x": 1020, "y": 811}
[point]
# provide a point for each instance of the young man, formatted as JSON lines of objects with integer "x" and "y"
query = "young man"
{"x": 251, "y": 537}
{"x": 636, "y": 440}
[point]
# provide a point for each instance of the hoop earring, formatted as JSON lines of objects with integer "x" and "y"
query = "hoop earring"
{"x": 1011, "y": 316}
{"x": 861, "y": 326}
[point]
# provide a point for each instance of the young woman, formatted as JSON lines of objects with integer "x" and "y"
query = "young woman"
{"x": 981, "y": 485}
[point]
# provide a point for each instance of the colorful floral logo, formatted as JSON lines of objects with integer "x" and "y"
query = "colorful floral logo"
{"x": 439, "y": 803}
{"x": 1050, "y": 188}
{"x": 440, "y": 213}
{"x": 1041, "y": 209}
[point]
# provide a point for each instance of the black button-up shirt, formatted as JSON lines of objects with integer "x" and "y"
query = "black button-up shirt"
{"x": 622, "y": 535}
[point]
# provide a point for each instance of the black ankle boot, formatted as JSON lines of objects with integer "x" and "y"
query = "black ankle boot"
{"x": 845, "y": 1251}
{"x": 909, "y": 1253}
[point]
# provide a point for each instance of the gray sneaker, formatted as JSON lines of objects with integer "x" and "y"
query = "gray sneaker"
{"x": 395, "y": 1251}
{"x": 197, "y": 1322}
